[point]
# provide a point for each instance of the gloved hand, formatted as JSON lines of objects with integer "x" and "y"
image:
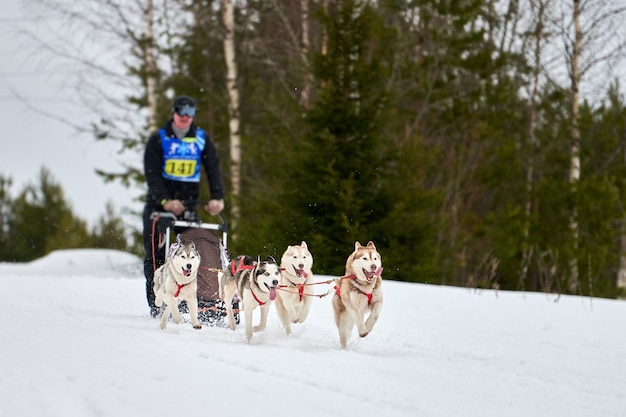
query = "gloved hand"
{"x": 174, "y": 206}
{"x": 214, "y": 207}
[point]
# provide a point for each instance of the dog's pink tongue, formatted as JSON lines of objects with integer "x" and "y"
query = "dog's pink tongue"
{"x": 186, "y": 272}
{"x": 379, "y": 271}
{"x": 272, "y": 293}
{"x": 302, "y": 273}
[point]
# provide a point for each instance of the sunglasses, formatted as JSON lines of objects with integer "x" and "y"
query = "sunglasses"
{"x": 185, "y": 110}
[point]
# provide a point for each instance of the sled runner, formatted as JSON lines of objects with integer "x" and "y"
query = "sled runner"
{"x": 211, "y": 241}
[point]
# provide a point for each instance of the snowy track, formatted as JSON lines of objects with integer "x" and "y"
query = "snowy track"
{"x": 81, "y": 344}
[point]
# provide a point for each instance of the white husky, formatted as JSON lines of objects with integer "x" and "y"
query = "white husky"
{"x": 177, "y": 280}
{"x": 292, "y": 301}
{"x": 358, "y": 292}
{"x": 255, "y": 282}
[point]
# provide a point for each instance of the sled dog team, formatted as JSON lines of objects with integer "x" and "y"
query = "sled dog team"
{"x": 260, "y": 283}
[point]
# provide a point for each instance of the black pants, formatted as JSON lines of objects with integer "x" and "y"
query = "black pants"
{"x": 155, "y": 257}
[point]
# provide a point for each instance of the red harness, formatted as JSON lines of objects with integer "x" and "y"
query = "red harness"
{"x": 241, "y": 266}
{"x": 180, "y": 286}
{"x": 234, "y": 269}
{"x": 256, "y": 298}
{"x": 300, "y": 286}
{"x": 368, "y": 295}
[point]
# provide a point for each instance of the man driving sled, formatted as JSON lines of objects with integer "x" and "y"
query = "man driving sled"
{"x": 173, "y": 159}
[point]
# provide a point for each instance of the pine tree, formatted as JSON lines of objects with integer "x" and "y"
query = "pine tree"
{"x": 42, "y": 221}
{"x": 6, "y": 203}
{"x": 335, "y": 179}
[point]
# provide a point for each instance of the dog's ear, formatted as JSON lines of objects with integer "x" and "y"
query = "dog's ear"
{"x": 303, "y": 244}
{"x": 370, "y": 244}
{"x": 271, "y": 260}
{"x": 357, "y": 245}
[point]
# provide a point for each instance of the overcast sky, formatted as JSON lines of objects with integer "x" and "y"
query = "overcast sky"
{"x": 32, "y": 140}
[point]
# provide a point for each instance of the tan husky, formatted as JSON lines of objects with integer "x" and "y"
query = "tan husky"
{"x": 359, "y": 292}
{"x": 292, "y": 302}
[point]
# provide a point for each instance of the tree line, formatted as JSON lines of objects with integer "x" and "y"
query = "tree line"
{"x": 478, "y": 143}
{"x": 39, "y": 220}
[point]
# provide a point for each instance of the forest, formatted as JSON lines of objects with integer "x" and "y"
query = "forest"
{"x": 477, "y": 143}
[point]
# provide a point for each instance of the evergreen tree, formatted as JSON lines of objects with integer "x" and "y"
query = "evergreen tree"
{"x": 272, "y": 70}
{"x": 457, "y": 127}
{"x": 110, "y": 232}
{"x": 40, "y": 221}
{"x": 334, "y": 182}
{"x": 601, "y": 194}
{"x": 43, "y": 221}
{"x": 5, "y": 215}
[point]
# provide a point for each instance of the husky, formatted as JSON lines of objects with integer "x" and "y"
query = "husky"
{"x": 359, "y": 292}
{"x": 292, "y": 303}
{"x": 254, "y": 282}
{"x": 177, "y": 280}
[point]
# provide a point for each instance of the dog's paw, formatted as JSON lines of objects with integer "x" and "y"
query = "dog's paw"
{"x": 364, "y": 333}
{"x": 197, "y": 326}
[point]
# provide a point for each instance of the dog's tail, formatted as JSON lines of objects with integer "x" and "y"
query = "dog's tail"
{"x": 220, "y": 281}
{"x": 156, "y": 287}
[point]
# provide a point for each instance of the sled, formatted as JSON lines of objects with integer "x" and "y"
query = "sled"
{"x": 211, "y": 240}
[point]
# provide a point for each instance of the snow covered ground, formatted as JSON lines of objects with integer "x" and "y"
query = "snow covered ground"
{"x": 77, "y": 341}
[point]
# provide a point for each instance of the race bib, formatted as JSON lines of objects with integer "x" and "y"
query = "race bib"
{"x": 180, "y": 168}
{"x": 181, "y": 157}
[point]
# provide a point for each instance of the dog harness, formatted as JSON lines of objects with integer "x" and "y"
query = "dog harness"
{"x": 256, "y": 298}
{"x": 241, "y": 266}
{"x": 179, "y": 287}
{"x": 368, "y": 295}
{"x": 299, "y": 286}
{"x": 182, "y": 157}
{"x": 234, "y": 268}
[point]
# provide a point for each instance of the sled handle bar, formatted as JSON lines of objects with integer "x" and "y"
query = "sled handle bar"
{"x": 223, "y": 226}
{"x": 191, "y": 203}
{"x": 190, "y": 224}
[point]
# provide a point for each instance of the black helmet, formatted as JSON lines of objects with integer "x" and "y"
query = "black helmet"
{"x": 184, "y": 105}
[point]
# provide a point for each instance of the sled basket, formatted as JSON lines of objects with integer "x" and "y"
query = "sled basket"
{"x": 208, "y": 245}
{"x": 212, "y": 248}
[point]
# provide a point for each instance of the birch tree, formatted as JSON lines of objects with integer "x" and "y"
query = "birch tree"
{"x": 152, "y": 71}
{"x": 538, "y": 40}
{"x": 592, "y": 41}
{"x": 228, "y": 15}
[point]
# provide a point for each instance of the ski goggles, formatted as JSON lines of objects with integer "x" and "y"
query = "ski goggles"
{"x": 185, "y": 110}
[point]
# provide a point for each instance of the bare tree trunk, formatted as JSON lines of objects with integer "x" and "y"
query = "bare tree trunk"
{"x": 621, "y": 273}
{"x": 304, "y": 44}
{"x": 574, "y": 174}
{"x": 306, "y": 91}
{"x": 228, "y": 14}
{"x": 324, "y": 48}
{"x": 151, "y": 67}
{"x": 527, "y": 251}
